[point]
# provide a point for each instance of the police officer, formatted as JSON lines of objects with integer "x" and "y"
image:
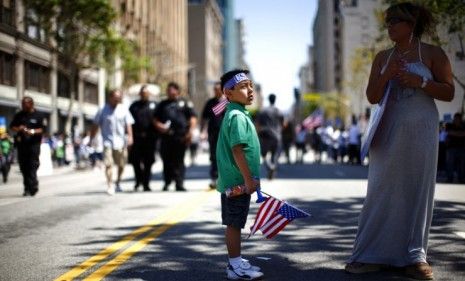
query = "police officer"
{"x": 175, "y": 120}
{"x": 29, "y": 126}
{"x": 142, "y": 153}
{"x": 213, "y": 122}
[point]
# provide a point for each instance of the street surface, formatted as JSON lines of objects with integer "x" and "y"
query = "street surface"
{"x": 73, "y": 230}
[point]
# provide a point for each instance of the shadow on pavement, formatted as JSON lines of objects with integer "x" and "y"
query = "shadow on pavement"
{"x": 285, "y": 171}
{"x": 308, "y": 249}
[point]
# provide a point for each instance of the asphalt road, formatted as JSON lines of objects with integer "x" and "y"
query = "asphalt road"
{"x": 73, "y": 229}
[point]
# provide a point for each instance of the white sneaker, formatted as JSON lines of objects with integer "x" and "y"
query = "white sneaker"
{"x": 242, "y": 272}
{"x": 247, "y": 264}
{"x": 110, "y": 190}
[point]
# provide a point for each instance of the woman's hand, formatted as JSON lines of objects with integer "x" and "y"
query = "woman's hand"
{"x": 409, "y": 80}
{"x": 393, "y": 69}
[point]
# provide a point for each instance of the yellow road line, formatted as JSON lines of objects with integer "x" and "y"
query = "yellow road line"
{"x": 103, "y": 254}
{"x": 113, "y": 264}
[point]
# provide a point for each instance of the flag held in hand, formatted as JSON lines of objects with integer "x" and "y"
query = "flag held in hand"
{"x": 273, "y": 215}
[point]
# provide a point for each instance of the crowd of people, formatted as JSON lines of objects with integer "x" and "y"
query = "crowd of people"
{"x": 396, "y": 217}
{"x": 328, "y": 143}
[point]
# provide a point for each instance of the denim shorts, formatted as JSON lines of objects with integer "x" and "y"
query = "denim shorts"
{"x": 234, "y": 210}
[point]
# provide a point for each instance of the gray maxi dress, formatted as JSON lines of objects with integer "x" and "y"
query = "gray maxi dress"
{"x": 396, "y": 216}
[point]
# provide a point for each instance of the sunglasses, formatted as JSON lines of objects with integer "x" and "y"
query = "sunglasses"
{"x": 393, "y": 21}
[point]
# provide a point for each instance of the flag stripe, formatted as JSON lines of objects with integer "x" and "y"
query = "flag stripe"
{"x": 220, "y": 106}
{"x": 270, "y": 223}
{"x": 282, "y": 225}
{"x": 278, "y": 221}
{"x": 263, "y": 215}
{"x": 273, "y": 216}
{"x": 270, "y": 212}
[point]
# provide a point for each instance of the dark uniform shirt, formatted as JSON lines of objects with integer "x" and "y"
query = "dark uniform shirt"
{"x": 31, "y": 120}
{"x": 455, "y": 141}
{"x": 178, "y": 113}
{"x": 270, "y": 121}
{"x": 142, "y": 112}
{"x": 214, "y": 121}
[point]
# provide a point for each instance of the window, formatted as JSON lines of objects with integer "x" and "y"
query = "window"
{"x": 90, "y": 93}
{"x": 7, "y": 69}
{"x": 7, "y": 12}
{"x": 64, "y": 87}
{"x": 37, "y": 77}
{"x": 33, "y": 29}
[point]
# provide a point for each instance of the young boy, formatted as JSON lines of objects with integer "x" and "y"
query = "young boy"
{"x": 238, "y": 158}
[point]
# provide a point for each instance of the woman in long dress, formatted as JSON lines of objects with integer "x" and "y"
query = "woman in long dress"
{"x": 396, "y": 217}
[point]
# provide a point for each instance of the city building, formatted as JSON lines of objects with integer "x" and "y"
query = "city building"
{"x": 205, "y": 49}
{"x": 306, "y": 76}
{"x": 327, "y": 47}
{"x": 359, "y": 28}
{"x": 229, "y": 35}
{"x": 240, "y": 45}
{"x": 29, "y": 66}
{"x": 159, "y": 28}
{"x": 455, "y": 50}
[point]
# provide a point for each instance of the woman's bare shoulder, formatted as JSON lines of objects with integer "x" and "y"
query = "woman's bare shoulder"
{"x": 432, "y": 51}
{"x": 382, "y": 55}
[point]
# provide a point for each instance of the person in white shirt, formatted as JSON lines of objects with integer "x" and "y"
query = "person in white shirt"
{"x": 114, "y": 121}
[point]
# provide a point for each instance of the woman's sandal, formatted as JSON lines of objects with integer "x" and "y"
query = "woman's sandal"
{"x": 419, "y": 271}
{"x": 358, "y": 267}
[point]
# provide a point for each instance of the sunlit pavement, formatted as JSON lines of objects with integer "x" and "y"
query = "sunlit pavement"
{"x": 73, "y": 229}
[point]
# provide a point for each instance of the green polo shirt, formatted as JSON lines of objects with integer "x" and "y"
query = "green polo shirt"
{"x": 237, "y": 128}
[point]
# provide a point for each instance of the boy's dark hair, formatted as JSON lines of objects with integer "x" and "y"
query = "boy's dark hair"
{"x": 230, "y": 74}
{"x": 272, "y": 99}
{"x": 173, "y": 85}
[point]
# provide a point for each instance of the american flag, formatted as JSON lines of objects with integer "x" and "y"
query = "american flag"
{"x": 273, "y": 215}
{"x": 220, "y": 106}
{"x": 313, "y": 120}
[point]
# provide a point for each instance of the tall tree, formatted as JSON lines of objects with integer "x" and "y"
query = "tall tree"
{"x": 82, "y": 32}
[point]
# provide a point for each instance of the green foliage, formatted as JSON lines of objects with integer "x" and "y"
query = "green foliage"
{"x": 450, "y": 13}
{"x": 333, "y": 104}
{"x": 84, "y": 34}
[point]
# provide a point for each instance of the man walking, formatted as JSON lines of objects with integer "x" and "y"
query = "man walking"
{"x": 175, "y": 120}
{"x": 269, "y": 125}
{"x": 28, "y": 124}
{"x": 142, "y": 153}
{"x": 114, "y": 121}
{"x": 213, "y": 122}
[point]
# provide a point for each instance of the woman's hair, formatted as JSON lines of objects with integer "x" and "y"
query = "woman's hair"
{"x": 421, "y": 19}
